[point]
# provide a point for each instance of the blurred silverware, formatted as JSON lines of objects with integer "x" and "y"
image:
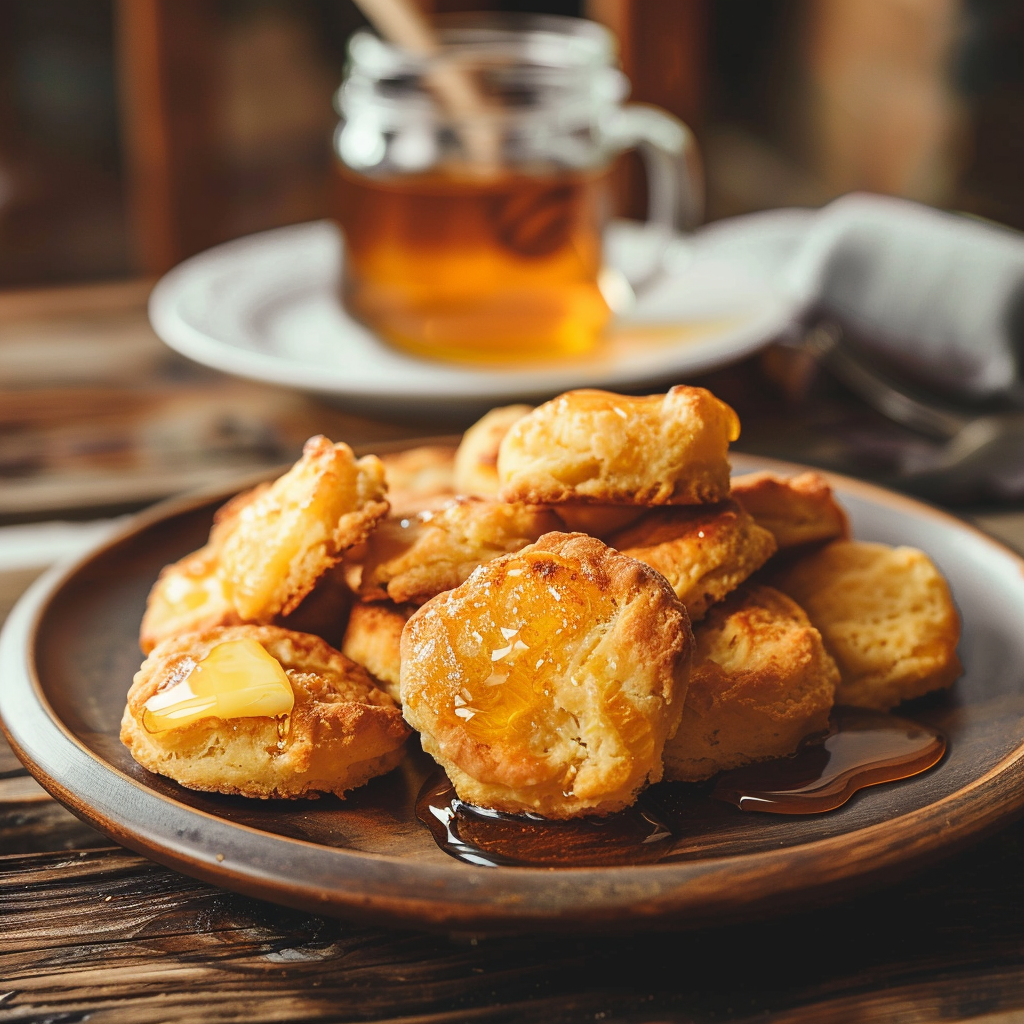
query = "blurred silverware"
{"x": 981, "y": 451}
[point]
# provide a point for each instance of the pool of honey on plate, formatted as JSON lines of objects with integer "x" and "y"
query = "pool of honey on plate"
{"x": 481, "y": 267}
{"x": 863, "y": 748}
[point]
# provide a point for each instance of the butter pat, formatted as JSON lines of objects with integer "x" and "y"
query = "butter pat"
{"x": 237, "y": 679}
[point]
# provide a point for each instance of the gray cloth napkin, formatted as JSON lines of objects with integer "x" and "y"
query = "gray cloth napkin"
{"x": 938, "y": 295}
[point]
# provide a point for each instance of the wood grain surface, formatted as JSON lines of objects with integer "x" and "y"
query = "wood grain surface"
{"x": 101, "y": 935}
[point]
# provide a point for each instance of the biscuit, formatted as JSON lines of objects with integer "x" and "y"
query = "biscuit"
{"x": 761, "y": 683}
{"x": 289, "y": 534}
{"x": 549, "y": 681}
{"x": 886, "y": 616}
{"x": 191, "y": 595}
{"x": 373, "y": 639}
{"x": 596, "y": 447}
{"x": 476, "y": 461}
{"x": 188, "y": 596}
{"x": 796, "y": 510}
{"x": 341, "y": 731}
{"x": 418, "y": 475}
{"x": 412, "y": 559}
{"x": 704, "y": 551}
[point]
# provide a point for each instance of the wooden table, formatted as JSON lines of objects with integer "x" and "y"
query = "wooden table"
{"x": 91, "y": 932}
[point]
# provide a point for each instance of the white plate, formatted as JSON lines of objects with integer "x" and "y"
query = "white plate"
{"x": 266, "y": 307}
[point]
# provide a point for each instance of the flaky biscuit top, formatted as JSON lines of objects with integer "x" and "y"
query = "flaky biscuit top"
{"x": 598, "y": 447}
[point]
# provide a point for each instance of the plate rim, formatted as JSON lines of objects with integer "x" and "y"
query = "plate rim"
{"x": 462, "y": 385}
{"x": 675, "y": 894}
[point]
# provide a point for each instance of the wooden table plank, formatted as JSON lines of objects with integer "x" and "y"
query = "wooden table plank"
{"x": 948, "y": 944}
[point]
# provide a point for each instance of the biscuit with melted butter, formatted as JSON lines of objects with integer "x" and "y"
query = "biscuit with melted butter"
{"x": 796, "y": 510}
{"x": 549, "y": 681}
{"x": 595, "y": 447}
{"x": 411, "y": 559}
{"x": 476, "y": 461}
{"x": 340, "y": 731}
{"x": 373, "y": 639}
{"x": 289, "y": 534}
{"x": 761, "y": 683}
{"x": 269, "y": 546}
{"x": 886, "y": 616}
{"x": 704, "y": 551}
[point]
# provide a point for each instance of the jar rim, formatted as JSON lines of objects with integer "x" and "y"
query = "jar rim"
{"x": 572, "y": 61}
{"x": 543, "y": 40}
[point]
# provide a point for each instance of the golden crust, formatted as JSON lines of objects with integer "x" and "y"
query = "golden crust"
{"x": 476, "y": 461}
{"x": 289, "y": 534}
{"x": 886, "y": 616}
{"x": 596, "y": 447}
{"x": 342, "y": 731}
{"x": 412, "y": 559}
{"x": 269, "y": 546}
{"x": 796, "y": 510}
{"x": 549, "y": 681}
{"x": 705, "y": 552}
{"x": 188, "y": 596}
{"x": 419, "y": 475}
{"x": 761, "y": 682}
{"x": 373, "y": 639}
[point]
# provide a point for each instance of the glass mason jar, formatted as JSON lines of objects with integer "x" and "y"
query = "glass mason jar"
{"x": 472, "y": 184}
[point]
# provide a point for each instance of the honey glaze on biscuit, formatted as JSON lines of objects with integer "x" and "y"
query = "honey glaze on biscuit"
{"x": 669, "y": 821}
{"x": 507, "y": 689}
{"x": 237, "y": 679}
{"x": 533, "y": 634}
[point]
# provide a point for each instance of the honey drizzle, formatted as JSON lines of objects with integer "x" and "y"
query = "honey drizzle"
{"x": 862, "y": 748}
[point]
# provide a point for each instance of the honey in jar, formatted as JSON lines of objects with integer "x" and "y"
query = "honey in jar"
{"x": 476, "y": 266}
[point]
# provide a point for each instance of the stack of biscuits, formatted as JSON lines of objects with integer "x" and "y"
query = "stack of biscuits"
{"x": 575, "y": 603}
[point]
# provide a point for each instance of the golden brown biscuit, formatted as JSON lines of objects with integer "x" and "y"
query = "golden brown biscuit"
{"x": 419, "y": 475}
{"x": 549, "y": 681}
{"x": 596, "y": 447}
{"x": 412, "y": 559}
{"x": 704, "y": 551}
{"x": 886, "y": 616}
{"x": 476, "y": 461}
{"x": 373, "y": 639}
{"x": 796, "y": 510}
{"x": 188, "y": 596}
{"x": 191, "y": 594}
{"x": 761, "y": 682}
{"x": 341, "y": 731}
{"x": 268, "y": 546}
{"x": 284, "y": 539}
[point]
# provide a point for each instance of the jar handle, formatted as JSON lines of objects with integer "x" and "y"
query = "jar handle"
{"x": 675, "y": 179}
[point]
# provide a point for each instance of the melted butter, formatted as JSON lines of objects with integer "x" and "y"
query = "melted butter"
{"x": 237, "y": 679}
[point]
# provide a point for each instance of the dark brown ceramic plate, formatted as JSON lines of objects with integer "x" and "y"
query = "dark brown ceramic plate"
{"x": 69, "y": 652}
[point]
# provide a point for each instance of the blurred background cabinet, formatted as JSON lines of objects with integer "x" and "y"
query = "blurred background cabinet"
{"x": 134, "y": 133}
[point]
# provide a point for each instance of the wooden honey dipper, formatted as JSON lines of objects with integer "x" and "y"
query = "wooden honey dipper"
{"x": 537, "y": 219}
